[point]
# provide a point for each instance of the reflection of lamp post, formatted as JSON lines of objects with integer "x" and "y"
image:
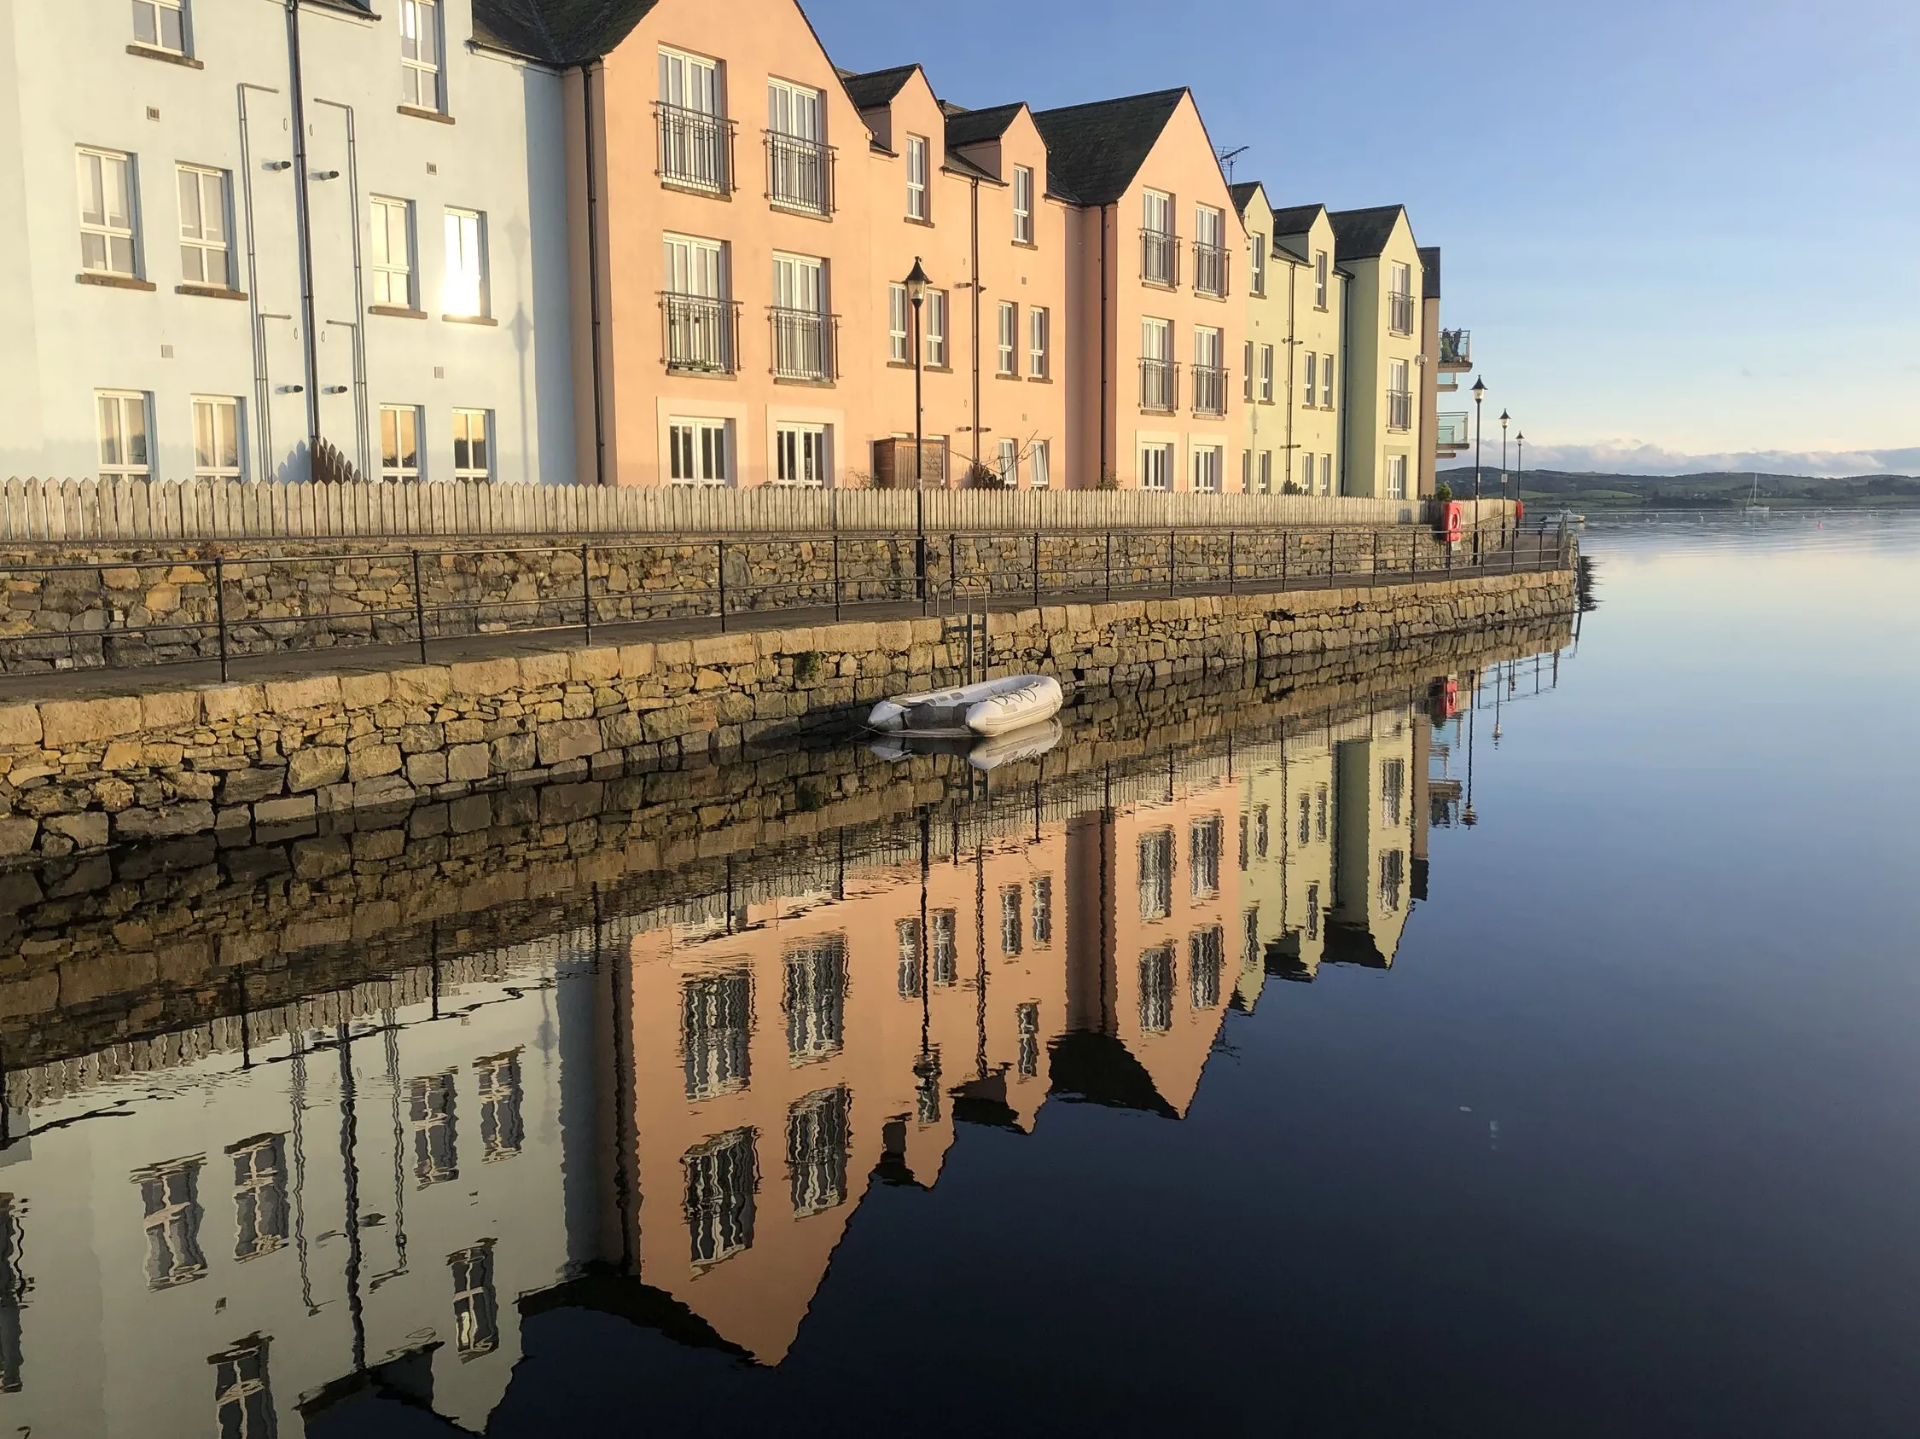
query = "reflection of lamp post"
{"x": 916, "y": 285}
{"x": 1467, "y": 816}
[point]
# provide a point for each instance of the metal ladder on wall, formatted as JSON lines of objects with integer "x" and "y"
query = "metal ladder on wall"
{"x": 964, "y": 615}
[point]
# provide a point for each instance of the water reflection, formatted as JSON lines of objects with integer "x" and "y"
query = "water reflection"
{"x": 631, "y": 1069}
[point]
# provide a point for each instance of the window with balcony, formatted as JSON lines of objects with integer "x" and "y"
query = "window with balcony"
{"x": 502, "y": 1131}
{"x": 1159, "y": 246}
{"x": 1039, "y": 465}
{"x": 817, "y": 1135}
{"x": 216, "y": 438}
{"x": 916, "y": 177}
{"x": 1206, "y": 961}
{"x": 473, "y": 446}
{"x": 695, "y": 136}
{"x": 1399, "y": 398}
{"x": 699, "y": 318}
{"x": 1320, "y": 271}
{"x": 1156, "y": 467}
{"x": 1156, "y": 990}
{"x": 802, "y": 329}
{"x": 716, "y": 1021}
{"x": 1022, "y": 205}
{"x": 206, "y": 236}
{"x": 125, "y": 451}
{"x": 392, "y": 252}
{"x": 815, "y": 999}
{"x": 161, "y": 25}
{"x": 721, "y": 1175}
{"x": 1257, "y": 266}
{"x": 431, "y": 1108}
{"x": 107, "y": 226}
{"x": 1159, "y": 386}
{"x": 1400, "y": 299}
{"x": 1156, "y": 873}
{"x": 420, "y": 54}
{"x": 171, "y": 1195}
{"x": 1210, "y": 250}
{"x": 476, "y": 1307}
{"x": 799, "y": 162}
{"x": 1209, "y": 371}
{"x": 1009, "y": 340}
{"x": 400, "y": 443}
{"x": 899, "y": 342}
{"x": 1039, "y": 342}
{"x": 699, "y": 451}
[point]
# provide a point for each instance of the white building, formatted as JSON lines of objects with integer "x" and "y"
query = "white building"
{"x": 164, "y": 313}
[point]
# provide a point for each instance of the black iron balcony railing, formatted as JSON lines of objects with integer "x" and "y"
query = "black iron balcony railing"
{"x": 1400, "y": 313}
{"x": 1450, "y": 434}
{"x": 696, "y": 149}
{"x": 1209, "y": 268}
{"x": 1456, "y": 349}
{"x": 802, "y": 345}
{"x": 799, "y": 173}
{"x": 1399, "y": 410}
{"x": 701, "y": 333}
{"x": 1159, "y": 386}
{"x": 1209, "y": 390}
{"x": 1160, "y": 257}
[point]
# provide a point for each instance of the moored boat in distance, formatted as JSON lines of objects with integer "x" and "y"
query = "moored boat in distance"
{"x": 991, "y": 707}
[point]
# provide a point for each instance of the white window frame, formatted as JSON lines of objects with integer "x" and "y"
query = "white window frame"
{"x": 1326, "y": 474}
{"x": 1039, "y": 342}
{"x": 918, "y": 154}
{"x": 1396, "y": 477}
{"x": 107, "y": 227}
{"x": 1039, "y": 466}
{"x": 1257, "y": 266}
{"x": 209, "y": 411}
{"x": 1156, "y": 466}
{"x": 1006, "y": 361}
{"x": 398, "y": 471}
{"x": 422, "y": 48}
{"x": 1326, "y": 382}
{"x": 1312, "y": 366}
{"x": 1266, "y": 374}
{"x": 799, "y": 112}
{"x": 934, "y": 320}
{"x": 464, "y": 290}
{"x": 388, "y": 271}
{"x": 1007, "y": 463}
{"x": 1206, "y": 465}
{"x": 116, "y": 413}
{"x": 1266, "y": 472}
{"x": 803, "y": 454}
{"x": 1023, "y": 204}
{"x": 1246, "y": 374}
{"x": 464, "y": 421}
{"x": 154, "y": 12}
{"x": 899, "y": 331}
{"x": 694, "y": 444}
{"x": 1320, "y": 279}
{"x": 199, "y": 242}
{"x": 1306, "y": 472}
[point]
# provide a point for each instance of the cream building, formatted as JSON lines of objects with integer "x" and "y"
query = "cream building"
{"x": 1383, "y": 411}
{"x": 1316, "y": 288}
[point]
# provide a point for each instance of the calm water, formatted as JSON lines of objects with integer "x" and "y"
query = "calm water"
{"x": 1202, "y": 1079}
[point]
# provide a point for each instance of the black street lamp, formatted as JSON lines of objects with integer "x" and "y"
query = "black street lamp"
{"x": 916, "y": 286}
{"x": 1479, "y": 394}
{"x": 1504, "y": 420}
{"x": 1519, "y": 464}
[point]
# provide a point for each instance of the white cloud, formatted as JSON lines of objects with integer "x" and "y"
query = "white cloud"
{"x": 1638, "y": 457}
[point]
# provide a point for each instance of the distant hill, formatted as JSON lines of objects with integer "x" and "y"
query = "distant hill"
{"x": 1701, "y": 491}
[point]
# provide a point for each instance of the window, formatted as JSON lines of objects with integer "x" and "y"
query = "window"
{"x": 1246, "y": 372}
{"x": 1393, "y": 868}
{"x": 934, "y": 316}
{"x": 1262, "y": 831}
{"x": 1156, "y": 874}
{"x": 420, "y": 53}
{"x": 1313, "y": 911}
{"x": 125, "y": 453}
{"x": 1396, "y": 477}
{"x": 1039, "y": 346}
{"x": 1013, "y": 928}
{"x": 1156, "y": 990}
{"x": 721, "y": 1176}
{"x": 216, "y": 437}
{"x": 1156, "y": 467}
{"x": 1399, "y": 401}
{"x": 1326, "y": 382}
{"x": 1311, "y": 388}
{"x": 1206, "y": 958}
{"x": 106, "y": 212}
{"x": 1266, "y": 374}
{"x": 1400, "y": 299}
{"x": 1246, "y": 472}
{"x": 1257, "y": 266}
{"x": 259, "y": 1195}
{"x": 1306, "y": 472}
{"x": 800, "y": 454}
{"x": 1266, "y": 472}
{"x": 466, "y": 283}
{"x": 697, "y": 452}
{"x": 399, "y": 442}
{"x": 799, "y": 166}
{"x": 1306, "y": 818}
{"x": 916, "y": 177}
{"x": 243, "y": 1400}
{"x": 171, "y": 1194}
{"x": 1326, "y": 474}
{"x": 907, "y": 932}
{"x": 476, "y": 1310}
{"x": 1250, "y": 939}
{"x": 1209, "y": 250}
{"x": 1007, "y": 463}
{"x": 1158, "y": 389}
{"x": 801, "y": 329}
{"x": 1026, "y": 1023}
{"x": 1208, "y": 461}
{"x": 694, "y": 148}
{"x": 205, "y": 238}
{"x": 1043, "y": 911}
{"x": 898, "y": 342}
{"x": 1204, "y": 838}
{"x": 435, "y": 1157}
{"x": 393, "y": 252}
{"x": 161, "y": 24}
{"x": 1009, "y": 338}
{"x": 1393, "y": 788}
{"x": 1159, "y": 249}
{"x": 1039, "y": 465}
{"x": 815, "y": 999}
{"x": 1320, "y": 279}
{"x": 817, "y": 1151}
{"x": 699, "y": 316}
{"x": 472, "y": 445}
{"x": 1209, "y": 371}
{"x": 501, "y": 1129}
{"x": 1023, "y": 205}
{"x": 942, "y": 944}
{"x": 715, "y": 1020}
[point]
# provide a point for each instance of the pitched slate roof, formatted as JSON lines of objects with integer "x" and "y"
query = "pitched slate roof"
{"x": 559, "y": 32}
{"x": 975, "y": 127}
{"x": 1363, "y": 234}
{"x": 1296, "y": 219}
{"x": 876, "y": 87}
{"x": 1095, "y": 150}
{"x": 1242, "y": 193}
{"x": 1430, "y": 268}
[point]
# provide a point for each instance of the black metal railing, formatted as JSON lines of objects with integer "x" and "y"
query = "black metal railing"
{"x": 700, "y": 333}
{"x": 1160, "y": 257}
{"x": 234, "y": 607}
{"x": 1159, "y": 386}
{"x": 1209, "y": 268}
{"x": 799, "y": 173}
{"x": 1400, "y": 313}
{"x": 802, "y": 344}
{"x": 696, "y": 148}
{"x": 1399, "y": 410}
{"x": 1456, "y": 349}
{"x": 1209, "y": 390}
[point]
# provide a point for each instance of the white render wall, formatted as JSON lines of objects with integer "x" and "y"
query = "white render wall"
{"x": 67, "y": 79}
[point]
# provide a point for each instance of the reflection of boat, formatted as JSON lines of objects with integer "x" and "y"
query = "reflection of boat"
{"x": 991, "y": 707}
{"x": 1754, "y": 507}
{"x": 1027, "y": 742}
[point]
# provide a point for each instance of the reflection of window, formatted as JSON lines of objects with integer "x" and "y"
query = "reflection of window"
{"x": 1245, "y": 821}
{"x": 434, "y": 1157}
{"x": 1393, "y": 788}
{"x": 1260, "y": 834}
{"x": 1026, "y": 1019}
{"x": 1250, "y": 953}
{"x": 1393, "y": 865}
{"x": 1156, "y": 874}
{"x": 171, "y": 1193}
{"x": 816, "y": 999}
{"x": 1156, "y": 990}
{"x": 1203, "y": 849}
{"x": 942, "y": 945}
{"x": 908, "y": 931}
{"x": 501, "y": 1132}
{"x": 721, "y": 1176}
{"x": 817, "y": 1151}
{"x": 240, "y": 1392}
{"x": 1043, "y": 910}
{"x": 14, "y": 1285}
{"x": 1306, "y": 819}
{"x": 259, "y": 1195}
{"x": 1011, "y": 927}
{"x": 926, "y": 1088}
{"x": 476, "y": 1312}
{"x": 1313, "y": 911}
{"x": 1320, "y": 813}
{"x": 1206, "y": 952}
{"x": 715, "y": 1019}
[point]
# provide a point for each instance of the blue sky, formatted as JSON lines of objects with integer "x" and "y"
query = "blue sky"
{"x": 1680, "y": 233}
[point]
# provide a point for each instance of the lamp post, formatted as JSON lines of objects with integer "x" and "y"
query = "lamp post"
{"x": 916, "y": 286}
{"x": 1479, "y": 395}
{"x": 1504, "y": 420}
{"x": 1519, "y": 468}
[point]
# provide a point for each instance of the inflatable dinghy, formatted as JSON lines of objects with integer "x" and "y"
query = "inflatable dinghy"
{"x": 992, "y": 707}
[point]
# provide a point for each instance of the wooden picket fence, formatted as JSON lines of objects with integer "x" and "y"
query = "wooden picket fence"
{"x": 41, "y": 510}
